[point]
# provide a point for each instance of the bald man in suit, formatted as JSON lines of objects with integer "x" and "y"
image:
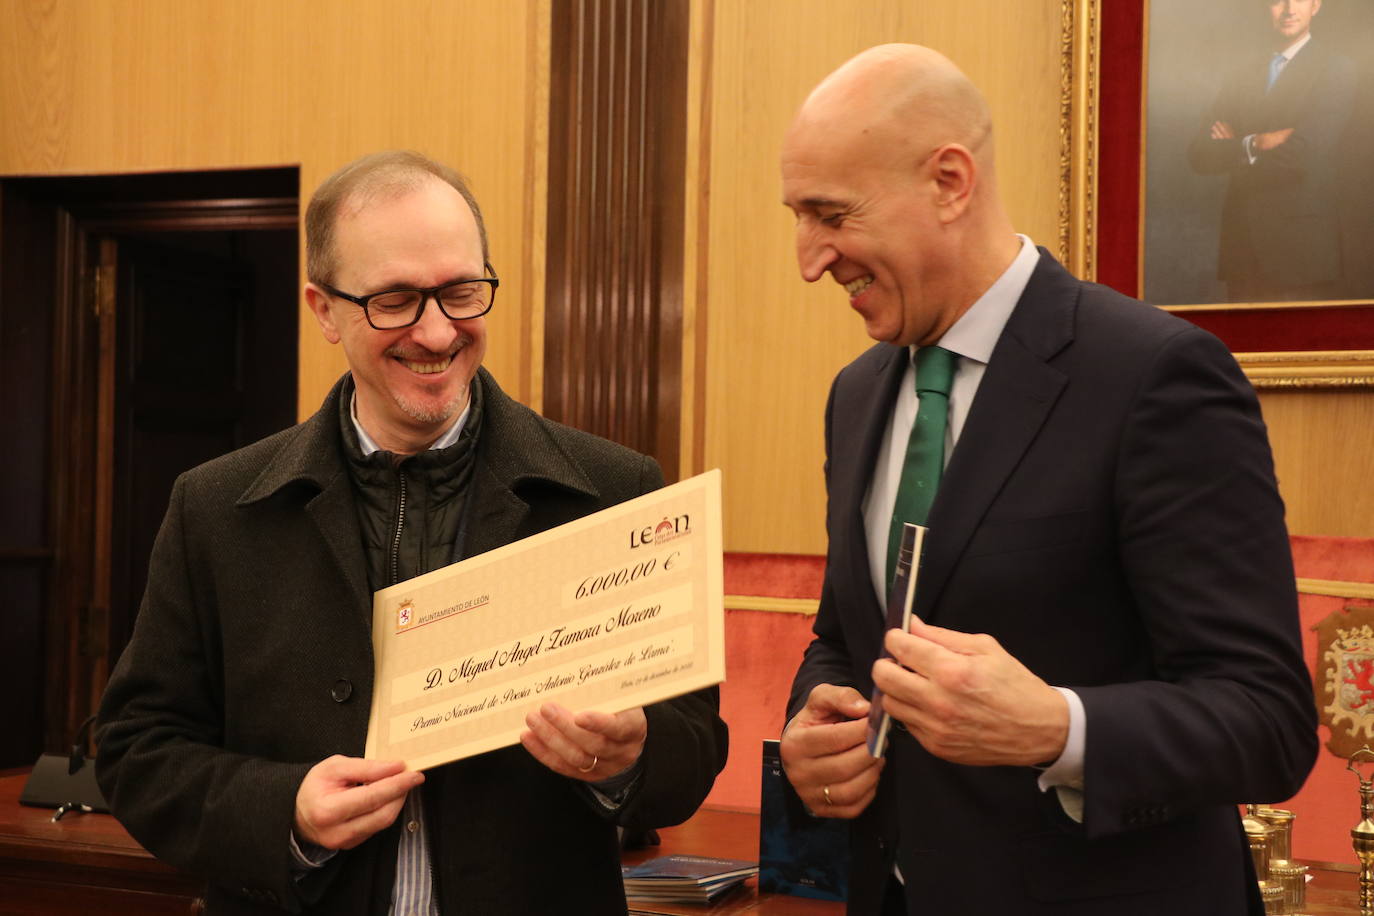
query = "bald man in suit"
{"x": 1106, "y": 656}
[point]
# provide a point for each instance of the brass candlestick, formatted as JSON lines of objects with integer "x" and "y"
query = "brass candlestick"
{"x": 1282, "y": 869}
{"x": 1362, "y": 834}
{"x": 1272, "y": 896}
{"x": 1259, "y": 835}
{"x": 1281, "y": 820}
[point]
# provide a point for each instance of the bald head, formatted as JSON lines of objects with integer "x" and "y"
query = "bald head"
{"x": 888, "y": 168}
{"x": 901, "y": 98}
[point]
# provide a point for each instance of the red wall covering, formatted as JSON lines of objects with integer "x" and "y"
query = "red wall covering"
{"x": 1328, "y": 805}
{"x": 1254, "y": 330}
{"x": 763, "y": 649}
{"x": 1118, "y": 151}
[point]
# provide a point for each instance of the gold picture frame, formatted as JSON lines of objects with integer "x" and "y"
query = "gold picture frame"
{"x": 1090, "y": 134}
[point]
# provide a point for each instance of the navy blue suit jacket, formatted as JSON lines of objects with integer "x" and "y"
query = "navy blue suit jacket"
{"x": 1110, "y": 515}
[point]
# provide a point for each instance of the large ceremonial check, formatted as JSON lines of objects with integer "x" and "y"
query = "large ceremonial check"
{"x": 612, "y": 611}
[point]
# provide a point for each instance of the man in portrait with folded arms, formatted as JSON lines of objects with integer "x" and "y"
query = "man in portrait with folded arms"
{"x": 1104, "y": 658}
{"x": 1276, "y": 132}
{"x": 233, "y": 726}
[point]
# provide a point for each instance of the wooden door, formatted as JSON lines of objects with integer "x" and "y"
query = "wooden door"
{"x": 145, "y": 327}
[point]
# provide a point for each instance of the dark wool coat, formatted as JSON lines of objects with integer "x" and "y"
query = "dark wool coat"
{"x": 251, "y": 660}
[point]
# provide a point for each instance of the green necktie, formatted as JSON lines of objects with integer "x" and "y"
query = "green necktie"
{"x": 925, "y": 449}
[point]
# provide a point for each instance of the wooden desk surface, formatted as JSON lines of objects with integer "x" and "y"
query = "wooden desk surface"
{"x": 84, "y": 863}
{"x": 1334, "y": 890}
{"x": 78, "y": 837}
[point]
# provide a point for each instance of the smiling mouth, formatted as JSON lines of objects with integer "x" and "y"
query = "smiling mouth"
{"x": 854, "y": 287}
{"x": 426, "y": 368}
{"x": 422, "y": 362}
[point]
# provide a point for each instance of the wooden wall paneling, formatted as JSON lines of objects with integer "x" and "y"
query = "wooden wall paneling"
{"x": 1321, "y": 455}
{"x": 94, "y": 87}
{"x": 668, "y": 49}
{"x": 538, "y": 54}
{"x": 615, "y": 235}
{"x": 696, "y": 233}
{"x": 775, "y": 343}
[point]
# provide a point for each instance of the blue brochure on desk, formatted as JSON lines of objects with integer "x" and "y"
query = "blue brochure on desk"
{"x": 799, "y": 853}
{"x": 682, "y": 870}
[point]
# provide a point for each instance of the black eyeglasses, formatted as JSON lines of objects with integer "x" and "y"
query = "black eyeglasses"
{"x": 400, "y": 308}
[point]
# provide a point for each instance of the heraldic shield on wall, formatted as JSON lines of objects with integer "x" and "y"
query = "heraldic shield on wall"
{"x": 1345, "y": 678}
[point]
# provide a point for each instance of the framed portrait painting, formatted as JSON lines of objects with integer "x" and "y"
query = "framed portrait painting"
{"x": 1236, "y": 176}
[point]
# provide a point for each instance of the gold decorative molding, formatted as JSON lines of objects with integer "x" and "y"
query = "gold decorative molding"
{"x": 1079, "y": 43}
{"x": 1309, "y": 369}
{"x": 773, "y": 605}
{"x": 1334, "y": 588}
{"x": 1252, "y": 306}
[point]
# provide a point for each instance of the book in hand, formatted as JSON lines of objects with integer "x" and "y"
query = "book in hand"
{"x": 799, "y": 853}
{"x": 685, "y": 879}
{"x": 899, "y": 602}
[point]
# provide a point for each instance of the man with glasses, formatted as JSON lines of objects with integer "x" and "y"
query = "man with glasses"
{"x": 233, "y": 725}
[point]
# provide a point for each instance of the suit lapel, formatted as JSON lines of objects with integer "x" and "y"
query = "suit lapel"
{"x": 1017, "y": 393}
{"x": 1293, "y": 89}
{"x": 335, "y": 515}
{"x": 496, "y": 515}
{"x": 313, "y": 459}
{"x": 514, "y": 448}
{"x": 858, "y": 424}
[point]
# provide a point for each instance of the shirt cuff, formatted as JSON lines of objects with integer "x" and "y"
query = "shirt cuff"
{"x": 1065, "y": 775}
{"x": 611, "y": 793}
{"x": 307, "y": 856}
{"x": 1068, "y": 769}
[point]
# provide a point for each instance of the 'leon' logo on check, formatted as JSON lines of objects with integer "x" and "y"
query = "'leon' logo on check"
{"x": 666, "y": 530}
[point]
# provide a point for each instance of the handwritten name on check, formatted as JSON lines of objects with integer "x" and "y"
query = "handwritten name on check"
{"x": 615, "y": 610}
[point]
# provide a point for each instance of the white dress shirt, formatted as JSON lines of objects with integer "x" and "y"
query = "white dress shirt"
{"x": 973, "y": 338}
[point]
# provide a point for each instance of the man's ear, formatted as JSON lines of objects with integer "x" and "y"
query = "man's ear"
{"x": 318, "y": 302}
{"x": 956, "y": 175}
